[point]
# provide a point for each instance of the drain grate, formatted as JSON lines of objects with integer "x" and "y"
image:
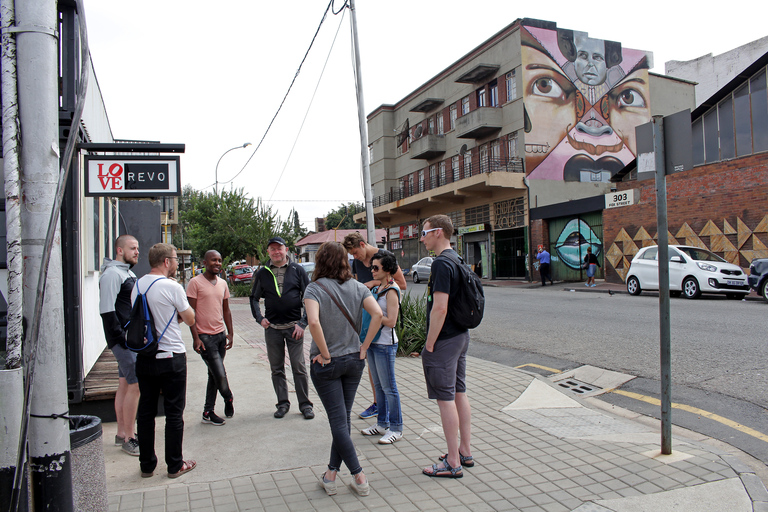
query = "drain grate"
{"x": 578, "y": 387}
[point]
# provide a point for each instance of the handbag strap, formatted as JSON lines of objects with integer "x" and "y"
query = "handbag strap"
{"x": 343, "y": 311}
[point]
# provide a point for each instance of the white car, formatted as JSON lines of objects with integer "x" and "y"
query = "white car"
{"x": 692, "y": 271}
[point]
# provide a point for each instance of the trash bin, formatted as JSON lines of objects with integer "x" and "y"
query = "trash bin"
{"x": 89, "y": 475}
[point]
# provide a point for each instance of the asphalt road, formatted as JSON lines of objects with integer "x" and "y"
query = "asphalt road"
{"x": 719, "y": 359}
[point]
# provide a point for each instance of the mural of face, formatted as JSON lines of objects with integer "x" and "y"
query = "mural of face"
{"x": 583, "y": 98}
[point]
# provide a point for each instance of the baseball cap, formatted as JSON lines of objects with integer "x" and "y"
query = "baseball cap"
{"x": 276, "y": 240}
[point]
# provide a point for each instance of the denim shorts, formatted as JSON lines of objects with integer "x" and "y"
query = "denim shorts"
{"x": 445, "y": 368}
{"x": 126, "y": 364}
{"x": 591, "y": 270}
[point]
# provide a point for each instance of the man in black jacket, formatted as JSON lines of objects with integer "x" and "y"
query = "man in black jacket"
{"x": 281, "y": 283}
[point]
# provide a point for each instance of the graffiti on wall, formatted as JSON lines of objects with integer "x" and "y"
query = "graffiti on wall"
{"x": 583, "y": 98}
{"x": 573, "y": 241}
{"x": 737, "y": 244}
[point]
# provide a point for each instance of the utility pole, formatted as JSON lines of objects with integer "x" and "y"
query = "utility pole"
{"x": 371, "y": 226}
{"x": 48, "y": 442}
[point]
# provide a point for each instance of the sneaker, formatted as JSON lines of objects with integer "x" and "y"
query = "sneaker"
{"x": 586, "y": 284}
{"x": 373, "y": 430}
{"x": 210, "y": 417}
{"x": 229, "y": 407}
{"x": 119, "y": 441}
{"x": 390, "y": 437}
{"x": 370, "y": 412}
{"x": 593, "y": 285}
{"x": 131, "y": 447}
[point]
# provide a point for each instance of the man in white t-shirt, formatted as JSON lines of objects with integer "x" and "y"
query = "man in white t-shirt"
{"x": 165, "y": 371}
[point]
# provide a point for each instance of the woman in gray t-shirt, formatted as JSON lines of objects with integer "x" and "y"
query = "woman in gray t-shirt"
{"x": 334, "y": 304}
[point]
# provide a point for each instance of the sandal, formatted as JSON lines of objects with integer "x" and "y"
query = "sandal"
{"x": 467, "y": 462}
{"x": 446, "y": 471}
{"x": 186, "y": 467}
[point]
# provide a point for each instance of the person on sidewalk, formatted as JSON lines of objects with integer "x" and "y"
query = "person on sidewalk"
{"x": 382, "y": 353}
{"x": 165, "y": 371}
{"x": 544, "y": 264}
{"x": 445, "y": 352}
{"x": 332, "y": 300}
{"x": 208, "y": 294}
{"x": 115, "y": 286}
{"x": 591, "y": 263}
{"x": 282, "y": 284}
{"x": 362, "y": 253}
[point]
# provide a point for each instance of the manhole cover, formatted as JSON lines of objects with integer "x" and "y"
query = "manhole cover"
{"x": 578, "y": 387}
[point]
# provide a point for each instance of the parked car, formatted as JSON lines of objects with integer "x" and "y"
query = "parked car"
{"x": 758, "y": 276}
{"x": 692, "y": 271}
{"x": 309, "y": 266}
{"x": 422, "y": 269}
{"x": 241, "y": 274}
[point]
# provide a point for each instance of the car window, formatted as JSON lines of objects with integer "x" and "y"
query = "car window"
{"x": 701, "y": 254}
{"x": 650, "y": 254}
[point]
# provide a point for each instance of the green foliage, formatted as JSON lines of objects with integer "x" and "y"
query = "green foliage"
{"x": 240, "y": 290}
{"x": 342, "y": 217}
{"x": 233, "y": 224}
{"x": 412, "y": 335}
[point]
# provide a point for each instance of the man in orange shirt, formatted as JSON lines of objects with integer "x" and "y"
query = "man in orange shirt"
{"x": 208, "y": 294}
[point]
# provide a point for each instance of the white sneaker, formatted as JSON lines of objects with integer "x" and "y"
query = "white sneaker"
{"x": 373, "y": 430}
{"x": 390, "y": 437}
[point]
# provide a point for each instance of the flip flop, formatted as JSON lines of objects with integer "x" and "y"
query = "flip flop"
{"x": 467, "y": 462}
{"x": 186, "y": 467}
{"x": 446, "y": 471}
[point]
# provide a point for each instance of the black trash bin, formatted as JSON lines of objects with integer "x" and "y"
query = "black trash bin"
{"x": 89, "y": 475}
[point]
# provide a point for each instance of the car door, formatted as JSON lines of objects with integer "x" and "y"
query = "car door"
{"x": 646, "y": 268}
{"x": 677, "y": 269}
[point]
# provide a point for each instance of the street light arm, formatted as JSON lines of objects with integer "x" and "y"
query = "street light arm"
{"x": 216, "y": 186}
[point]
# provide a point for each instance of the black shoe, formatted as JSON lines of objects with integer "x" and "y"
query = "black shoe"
{"x": 229, "y": 408}
{"x": 212, "y": 418}
{"x": 281, "y": 411}
{"x": 308, "y": 413}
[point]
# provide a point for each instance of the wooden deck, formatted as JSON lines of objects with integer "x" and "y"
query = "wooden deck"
{"x": 101, "y": 382}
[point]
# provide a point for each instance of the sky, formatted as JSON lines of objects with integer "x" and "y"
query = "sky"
{"x": 213, "y": 75}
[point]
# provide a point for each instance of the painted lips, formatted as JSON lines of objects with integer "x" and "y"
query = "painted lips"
{"x": 582, "y": 163}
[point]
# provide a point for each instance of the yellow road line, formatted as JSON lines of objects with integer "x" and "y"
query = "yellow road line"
{"x": 694, "y": 410}
{"x": 539, "y": 367}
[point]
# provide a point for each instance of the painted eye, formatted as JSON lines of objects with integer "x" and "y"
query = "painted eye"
{"x": 547, "y": 87}
{"x": 631, "y": 98}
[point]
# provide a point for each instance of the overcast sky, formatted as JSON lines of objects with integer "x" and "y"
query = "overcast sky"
{"x": 212, "y": 75}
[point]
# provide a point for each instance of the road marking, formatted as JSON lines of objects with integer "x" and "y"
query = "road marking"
{"x": 539, "y": 367}
{"x": 695, "y": 410}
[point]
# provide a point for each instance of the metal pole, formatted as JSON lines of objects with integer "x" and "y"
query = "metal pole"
{"x": 216, "y": 186}
{"x": 371, "y": 226}
{"x": 663, "y": 257}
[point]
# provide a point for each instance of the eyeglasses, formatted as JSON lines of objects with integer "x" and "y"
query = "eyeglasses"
{"x": 172, "y": 258}
{"x": 375, "y": 268}
{"x": 425, "y": 231}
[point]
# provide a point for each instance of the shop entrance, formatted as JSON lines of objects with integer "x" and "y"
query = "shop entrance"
{"x": 510, "y": 253}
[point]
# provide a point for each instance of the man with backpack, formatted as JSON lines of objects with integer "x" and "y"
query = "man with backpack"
{"x": 444, "y": 355}
{"x": 164, "y": 367}
{"x": 115, "y": 286}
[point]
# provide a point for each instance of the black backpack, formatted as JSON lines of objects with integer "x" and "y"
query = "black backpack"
{"x": 467, "y": 308}
{"x": 141, "y": 335}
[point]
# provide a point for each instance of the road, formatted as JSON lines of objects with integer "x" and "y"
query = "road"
{"x": 718, "y": 351}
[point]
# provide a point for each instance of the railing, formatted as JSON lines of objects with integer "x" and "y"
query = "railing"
{"x": 433, "y": 182}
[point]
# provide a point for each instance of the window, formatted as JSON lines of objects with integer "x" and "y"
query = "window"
{"x": 433, "y": 176}
{"x": 711, "y": 149}
{"x": 650, "y": 254}
{"x": 511, "y": 86}
{"x": 759, "y": 112}
{"x": 411, "y": 189}
{"x": 440, "y": 128}
{"x": 455, "y": 168}
{"x": 421, "y": 181}
{"x": 727, "y": 140}
{"x": 496, "y": 151}
{"x": 494, "y": 89}
{"x": 477, "y": 215}
{"x": 453, "y": 115}
{"x": 481, "y": 100}
{"x": 465, "y": 105}
{"x": 512, "y": 145}
{"x": 442, "y": 172}
{"x": 741, "y": 114}
{"x": 431, "y": 124}
{"x": 484, "y": 158}
{"x": 468, "y": 164}
{"x": 697, "y": 131}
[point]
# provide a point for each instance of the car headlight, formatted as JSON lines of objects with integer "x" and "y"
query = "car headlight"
{"x": 706, "y": 266}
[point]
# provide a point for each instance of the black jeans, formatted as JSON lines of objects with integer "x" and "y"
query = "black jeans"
{"x": 336, "y": 384}
{"x": 169, "y": 376}
{"x": 544, "y": 271}
{"x": 213, "y": 355}
{"x": 277, "y": 340}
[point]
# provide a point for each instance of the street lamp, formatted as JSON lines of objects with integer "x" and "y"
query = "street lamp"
{"x": 216, "y": 186}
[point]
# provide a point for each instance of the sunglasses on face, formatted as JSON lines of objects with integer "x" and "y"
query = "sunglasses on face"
{"x": 425, "y": 231}
{"x": 375, "y": 268}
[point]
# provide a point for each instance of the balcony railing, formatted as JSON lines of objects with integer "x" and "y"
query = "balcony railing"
{"x": 433, "y": 182}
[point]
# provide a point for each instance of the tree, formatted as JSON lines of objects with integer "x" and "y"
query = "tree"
{"x": 342, "y": 217}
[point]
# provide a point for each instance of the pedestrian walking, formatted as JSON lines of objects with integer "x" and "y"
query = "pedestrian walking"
{"x": 334, "y": 303}
{"x": 208, "y": 295}
{"x": 115, "y": 286}
{"x": 591, "y": 263}
{"x": 544, "y": 265}
{"x": 282, "y": 283}
{"x": 445, "y": 352}
{"x": 166, "y": 371}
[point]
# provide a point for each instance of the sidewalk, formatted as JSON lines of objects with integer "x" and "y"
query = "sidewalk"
{"x": 536, "y": 449}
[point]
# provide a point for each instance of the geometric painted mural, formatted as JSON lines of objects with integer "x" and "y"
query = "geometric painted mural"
{"x": 750, "y": 243}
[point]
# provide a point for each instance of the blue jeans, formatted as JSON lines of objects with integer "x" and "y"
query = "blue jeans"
{"x": 382, "y": 364}
{"x": 213, "y": 355}
{"x": 336, "y": 384}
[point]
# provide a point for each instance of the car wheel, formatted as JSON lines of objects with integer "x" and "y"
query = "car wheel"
{"x": 764, "y": 291}
{"x": 633, "y": 286}
{"x": 415, "y": 277}
{"x": 691, "y": 288}
{"x": 675, "y": 293}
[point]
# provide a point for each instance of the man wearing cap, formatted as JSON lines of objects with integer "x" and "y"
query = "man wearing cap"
{"x": 281, "y": 283}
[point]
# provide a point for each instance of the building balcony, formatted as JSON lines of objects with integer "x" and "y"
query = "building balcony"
{"x": 479, "y": 123}
{"x": 427, "y": 147}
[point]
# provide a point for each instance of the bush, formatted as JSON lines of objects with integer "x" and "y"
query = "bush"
{"x": 240, "y": 290}
{"x": 412, "y": 335}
